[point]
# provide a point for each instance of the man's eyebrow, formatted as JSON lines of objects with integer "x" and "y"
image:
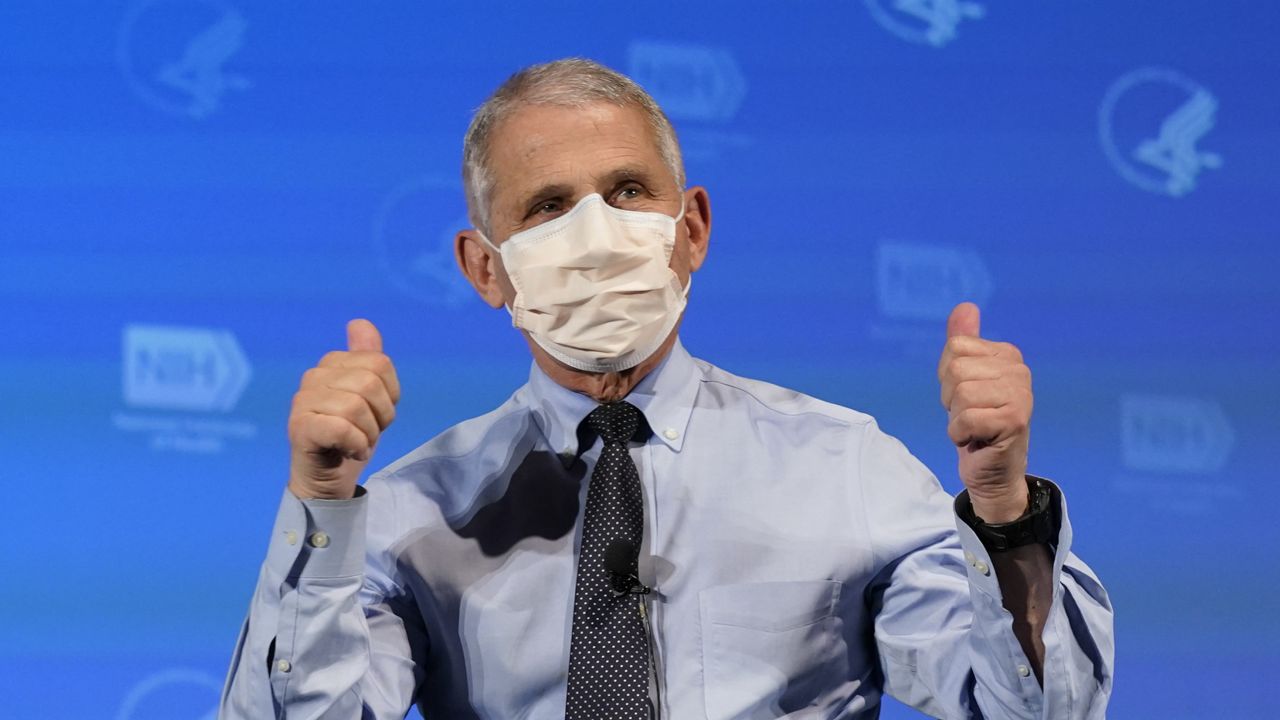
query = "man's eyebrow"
{"x": 545, "y": 192}
{"x": 628, "y": 172}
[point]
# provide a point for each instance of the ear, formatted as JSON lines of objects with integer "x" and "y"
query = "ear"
{"x": 697, "y": 219}
{"x": 479, "y": 265}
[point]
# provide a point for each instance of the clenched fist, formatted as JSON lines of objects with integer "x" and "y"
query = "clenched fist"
{"x": 986, "y": 389}
{"x": 341, "y": 408}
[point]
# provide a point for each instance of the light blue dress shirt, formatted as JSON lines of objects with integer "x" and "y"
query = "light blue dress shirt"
{"x": 802, "y": 564}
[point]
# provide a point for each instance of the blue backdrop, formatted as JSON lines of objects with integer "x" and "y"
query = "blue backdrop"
{"x": 195, "y": 195}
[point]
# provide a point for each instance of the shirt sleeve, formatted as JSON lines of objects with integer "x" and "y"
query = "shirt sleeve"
{"x": 945, "y": 641}
{"x": 326, "y": 635}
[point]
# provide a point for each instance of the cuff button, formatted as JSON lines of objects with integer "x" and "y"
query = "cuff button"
{"x": 319, "y": 540}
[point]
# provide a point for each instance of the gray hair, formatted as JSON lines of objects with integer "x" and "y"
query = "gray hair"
{"x": 572, "y": 82}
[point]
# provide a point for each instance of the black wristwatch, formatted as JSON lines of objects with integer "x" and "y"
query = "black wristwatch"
{"x": 1039, "y": 524}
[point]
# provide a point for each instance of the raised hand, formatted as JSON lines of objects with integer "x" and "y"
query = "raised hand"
{"x": 986, "y": 389}
{"x": 340, "y": 410}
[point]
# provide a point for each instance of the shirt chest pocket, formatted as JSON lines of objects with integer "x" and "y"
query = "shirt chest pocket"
{"x": 771, "y": 649}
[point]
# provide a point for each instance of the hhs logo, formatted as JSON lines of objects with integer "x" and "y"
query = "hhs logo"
{"x": 414, "y": 248}
{"x": 923, "y": 282}
{"x": 174, "y": 54}
{"x": 925, "y": 22}
{"x": 690, "y": 82}
{"x": 1162, "y": 433}
{"x": 183, "y": 368}
{"x": 1149, "y": 124}
{"x": 179, "y": 694}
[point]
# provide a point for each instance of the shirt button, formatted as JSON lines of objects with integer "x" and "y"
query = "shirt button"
{"x": 284, "y": 666}
{"x": 970, "y": 558}
{"x": 981, "y": 567}
{"x": 670, "y": 434}
{"x": 319, "y": 539}
{"x": 291, "y": 537}
{"x": 1024, "y": 671}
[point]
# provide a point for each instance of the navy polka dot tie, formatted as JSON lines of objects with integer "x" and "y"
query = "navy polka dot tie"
{"x": 609, "y": 648}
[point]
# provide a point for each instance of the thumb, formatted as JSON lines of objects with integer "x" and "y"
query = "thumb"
{"x": 965, "y": 320}
{"x": 363, "y": 336}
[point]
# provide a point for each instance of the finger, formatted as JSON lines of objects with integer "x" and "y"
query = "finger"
{"x": 984, "y": 426}
{"x": 963, "y": 346}
{"x": 979, "y": 394}
{"x": 965, "y": 320}
{"x": 374, "y": 361}
{"x": 349, "y": 406}
{"x": 961, "y": 369}
{"x": 317, "y": 433}
{"x": 365, "y": 383}
{"x": 363, "y": 335}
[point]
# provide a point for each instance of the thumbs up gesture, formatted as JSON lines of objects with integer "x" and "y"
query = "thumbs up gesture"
{"x": 986, "y": 389}
{"x": 341, "y": 408}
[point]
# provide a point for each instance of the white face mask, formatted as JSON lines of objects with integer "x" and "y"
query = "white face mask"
{"x": 593, "y": 286}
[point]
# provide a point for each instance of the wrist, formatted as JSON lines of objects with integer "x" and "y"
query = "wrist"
{"x": 310, "y": 491}
{"x": 1006, "y": 506}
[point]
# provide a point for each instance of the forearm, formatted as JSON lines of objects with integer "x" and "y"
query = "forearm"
{"x": 1026, "y": 581}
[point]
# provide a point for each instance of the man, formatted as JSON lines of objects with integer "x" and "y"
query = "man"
{"x": 636, "y": 533}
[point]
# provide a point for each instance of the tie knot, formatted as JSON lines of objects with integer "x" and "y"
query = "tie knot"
{"x": 616, "y": 422}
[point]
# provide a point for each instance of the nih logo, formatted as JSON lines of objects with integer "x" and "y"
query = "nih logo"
{"x": 690, "y": 82}
{"x": 924, "y": 22}
{"x": 183, "y": 368}
{"x": 1174, "y": 434}
{"x": 924, "y": 282}
{"x": 1150, "y": 123}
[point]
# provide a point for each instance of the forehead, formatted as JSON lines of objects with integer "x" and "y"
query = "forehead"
{"x": 542, "y": 143}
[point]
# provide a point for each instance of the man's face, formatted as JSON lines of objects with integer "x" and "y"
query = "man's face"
{"x": 545, "y": 158}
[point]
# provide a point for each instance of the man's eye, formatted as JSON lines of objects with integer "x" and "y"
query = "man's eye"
{"x": 628, "y": 193}
{"x": 547, "y": 207}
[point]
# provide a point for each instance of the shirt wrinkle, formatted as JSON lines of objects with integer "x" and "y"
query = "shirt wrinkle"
{"x": 480, "y": 610}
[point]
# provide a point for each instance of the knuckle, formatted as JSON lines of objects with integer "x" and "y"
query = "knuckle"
{"x": 353, "y": 406}
{"x": 369, "y": 383}
{"x": 382, "y": 363}
{"x": 359, "y": 439}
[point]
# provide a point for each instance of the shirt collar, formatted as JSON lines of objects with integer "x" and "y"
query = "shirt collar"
{"x": 665, "y": 396}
